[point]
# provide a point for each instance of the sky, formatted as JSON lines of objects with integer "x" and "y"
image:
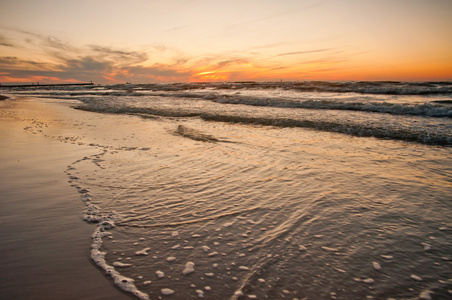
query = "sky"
{"x": 153, "y": 41}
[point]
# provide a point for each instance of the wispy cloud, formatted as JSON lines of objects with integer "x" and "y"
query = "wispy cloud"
{"x": 15, "y": 63}
{"x": 153, "y": 73}
{"x": 55, "y": 43}
{"x": 98, "y": 63}
{"x": 225, "y": 63}
{"x": 5, "y": 42}
{"x": 55, "y": 59}
{"x": 89, "y": 68}
{"x": 119, "y": 56}
{"x": 303, "y": 52}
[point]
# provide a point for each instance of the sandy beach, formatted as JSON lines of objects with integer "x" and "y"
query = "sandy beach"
{"x": 44, "y": 242}
{"x": 189, "y": 208}
{"x": 226, "y": 150}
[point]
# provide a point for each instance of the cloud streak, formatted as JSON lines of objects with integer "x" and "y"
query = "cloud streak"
{"x": 88, "y": 68}
{"x": 97, "y": 63}
{"x": 119, "y": 56}
{"x": 56, "y": 60}
{"x": 5, "y": 42}
{"x": 303, "y": 52}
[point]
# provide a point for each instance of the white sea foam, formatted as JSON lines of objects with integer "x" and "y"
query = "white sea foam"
{"x": 369, "y": 280}
{"x": 425, "y": 295}
{"x": 238, "y": 293}
{"x": 160, "y": 274}
{"x": 331, "y": 249}
{"x": 198, "y": 187}
{"x": 426, "y": 246}
{"x": 415, "y": 277}
{"x": 167, "y": 291}
{"x": 200, "y": 293}
{"x": 143, "y": 252}
{"x": 189, "y": 268}
{"x": 121, "y": 265}
{"x": 124, "y": 283}
{"x": 91, "y": 213}
{"x": 376, "y": 266}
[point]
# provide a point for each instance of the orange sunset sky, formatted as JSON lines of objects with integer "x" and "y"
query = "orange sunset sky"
{"x": 139, "y": 41}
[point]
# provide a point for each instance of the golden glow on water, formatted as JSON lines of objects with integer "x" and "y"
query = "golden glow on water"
{"x": 283, "y": 205}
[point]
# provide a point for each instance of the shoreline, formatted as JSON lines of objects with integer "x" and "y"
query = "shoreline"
{"x": 176, "y": 200}
{"x": 45, "y": 244}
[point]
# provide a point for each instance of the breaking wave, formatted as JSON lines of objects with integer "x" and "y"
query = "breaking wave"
{"x": 414, "y": 111}
{"x": 358, "y": 123}
{"x": 431, "y": 99}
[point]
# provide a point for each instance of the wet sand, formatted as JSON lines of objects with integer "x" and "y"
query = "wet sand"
{"x": 44, "y": 244}
{"x": 274, "y": 213}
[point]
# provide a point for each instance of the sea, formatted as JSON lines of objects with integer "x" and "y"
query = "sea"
{"x": 270, "y": 190}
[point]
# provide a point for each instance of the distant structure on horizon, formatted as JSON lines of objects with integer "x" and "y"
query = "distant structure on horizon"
{"x": 40, "y": 85}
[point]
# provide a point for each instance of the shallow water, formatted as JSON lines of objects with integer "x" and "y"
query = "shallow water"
{"x": 275, "y": 213}
{"x": 44, "y": 244}
{"x": 415, "y": 111}
{"x": 234, "y": 211}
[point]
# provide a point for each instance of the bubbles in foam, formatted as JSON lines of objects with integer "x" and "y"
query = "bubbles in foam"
{"x": 415, "y": 277}
{"x": 143, "y": 252}
{"x": 167, "y": 291}
{"x": 121, "y": 265}
{"x": 376, "y": 266}
{"x": 189, "y": 268}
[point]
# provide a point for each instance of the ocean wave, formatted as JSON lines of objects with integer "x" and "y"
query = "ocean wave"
{"x": 425, "y": 109}
{"x": 430, "y": 99}
{"x": 379, "y": 87}
{"x": 423, "y": 119}
{"x": 438, "y": 108}
{"x": 409, "y": 128}
{"x": 363, "y": 87}
{"x": 396, "y": 133}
